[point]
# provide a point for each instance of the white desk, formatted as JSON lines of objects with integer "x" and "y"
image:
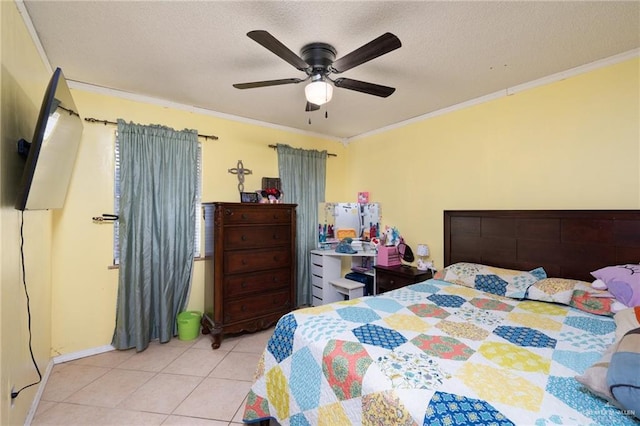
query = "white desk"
{"x": 326, "y": 265}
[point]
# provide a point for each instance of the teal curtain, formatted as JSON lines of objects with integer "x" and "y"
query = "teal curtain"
{"x": 157, "y": 216}
{"x": 303, "y": 178}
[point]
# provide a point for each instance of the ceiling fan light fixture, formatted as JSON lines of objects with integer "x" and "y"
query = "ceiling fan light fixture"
{"x": 318, "y": 92}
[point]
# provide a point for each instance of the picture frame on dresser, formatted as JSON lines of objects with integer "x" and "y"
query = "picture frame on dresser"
{"x": 249, "y": 197}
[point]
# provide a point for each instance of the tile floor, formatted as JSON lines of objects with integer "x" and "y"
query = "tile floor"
{"x": 176, "y": 383}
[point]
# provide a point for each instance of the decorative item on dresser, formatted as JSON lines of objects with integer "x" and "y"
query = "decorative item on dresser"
{"x": 393, "y": 277}
{"x": 250, "y": 266}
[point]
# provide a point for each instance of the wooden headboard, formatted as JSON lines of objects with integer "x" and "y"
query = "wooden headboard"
{"x": 567, "y": 243}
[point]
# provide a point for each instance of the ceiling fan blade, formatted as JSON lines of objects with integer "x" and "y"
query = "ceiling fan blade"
{"x": 274, "y": 45}
{"x": 267, "y": 83}
{"x": 378, "y": 47}
{"x": 311, "y": 107}
{"x": 364, "y": 87}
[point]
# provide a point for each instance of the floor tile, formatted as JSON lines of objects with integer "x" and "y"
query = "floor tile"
{"x": 196, "y": 362}
{"x": 204, "y": 342}
{"x": 109, "y": 359}
{"x": 66, "y": 379}
{"x": 176, "y": 342}
{"x": 240, "y": 413}
{"x": 70, "y": 414}
{"x": 254, "y": 343}
{"x": 119, "y": 417}
{"x": 82, "y": 415}
{"x": 43, "y": 406}
{"x": 177, "y": 383}
{"x": 110, "y": 389}
{"x": 155, "y": 358}
{"x": 162, "y": 394}
{"x": 216, "y": 399}
{"x": 192, "y": 421}
{"x": 237, "y": 366}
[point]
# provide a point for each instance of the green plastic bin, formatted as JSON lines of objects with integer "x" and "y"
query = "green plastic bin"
{"x": 189, "y": 325}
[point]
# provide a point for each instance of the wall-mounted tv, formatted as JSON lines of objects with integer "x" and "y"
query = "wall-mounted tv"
{"x": 52, "y": 152}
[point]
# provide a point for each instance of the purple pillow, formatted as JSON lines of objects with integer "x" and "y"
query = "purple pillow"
{"x": 623, "y": 281}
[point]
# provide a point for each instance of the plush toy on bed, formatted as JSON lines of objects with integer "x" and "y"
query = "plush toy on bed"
{"x": 622, "y": 281}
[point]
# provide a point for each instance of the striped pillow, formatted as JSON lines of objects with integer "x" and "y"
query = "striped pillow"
{"x": 626, "y": 320}
{"x": 623, "y": 376}
{"x": 595, "y": 377}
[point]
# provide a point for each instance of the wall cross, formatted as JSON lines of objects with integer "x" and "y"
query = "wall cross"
{"x": 241, "y": 172}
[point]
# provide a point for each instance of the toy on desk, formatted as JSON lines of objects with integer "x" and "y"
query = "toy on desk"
{"x": 391, "y": 236}
{"x": 322, "y": 234}
{"x": 375, "y": 242}
{"x": 344, "y": 246}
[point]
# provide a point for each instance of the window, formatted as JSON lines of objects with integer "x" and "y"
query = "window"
{"x": 116, "y": 203}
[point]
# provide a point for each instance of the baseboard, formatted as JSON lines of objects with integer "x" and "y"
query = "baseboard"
{"x": 82, "y": 354}
{"x": 59, "y": 360}
{"x": 36, "y": 398}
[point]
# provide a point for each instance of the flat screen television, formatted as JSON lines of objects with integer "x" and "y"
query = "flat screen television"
{"x": 52, "y": 152}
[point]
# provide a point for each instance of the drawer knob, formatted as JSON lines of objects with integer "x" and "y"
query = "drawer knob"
{"x": 276, "y": 236}
{"x": 243, "y": 237}
{"x": 391, "y": 282}
{"x": 244, "y": 215}
{"x": 244, "y": 262}
{"x": 243, "y": 284}
{"x": 243, "y": 308}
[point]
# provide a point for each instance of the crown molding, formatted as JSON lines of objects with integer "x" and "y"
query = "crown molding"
{"x": 562, "y": 75}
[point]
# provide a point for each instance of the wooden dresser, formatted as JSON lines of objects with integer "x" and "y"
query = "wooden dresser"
{"x": 250, "y": 266}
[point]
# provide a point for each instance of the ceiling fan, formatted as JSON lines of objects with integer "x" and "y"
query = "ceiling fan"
{"x": 318, "y": 61}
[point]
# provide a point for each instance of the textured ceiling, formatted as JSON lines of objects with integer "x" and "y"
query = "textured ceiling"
{"x": 191, "y": 52}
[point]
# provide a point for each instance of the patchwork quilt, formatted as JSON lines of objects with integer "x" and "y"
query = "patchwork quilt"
{"x": 433, "y": 353}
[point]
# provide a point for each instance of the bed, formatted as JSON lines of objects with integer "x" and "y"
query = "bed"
{"x": 499, "y": 336}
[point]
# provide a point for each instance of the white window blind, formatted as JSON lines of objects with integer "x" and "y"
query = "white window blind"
{"x": 116, "y": 203}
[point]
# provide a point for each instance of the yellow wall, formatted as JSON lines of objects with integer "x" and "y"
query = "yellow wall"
{"x": 572, "y": 144}
{"x": 23, "y": 80}
{"x": 85, "y": 291}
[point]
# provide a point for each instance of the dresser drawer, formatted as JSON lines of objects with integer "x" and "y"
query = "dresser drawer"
{"x": 316, "y": 270}
{"x": 234, "y": 215}
{"x": 317, "y": 292}
{"x": 386, "y": 282}
{"x": 243, "y": 284}
{"x": 316, "y": 280}
{"x": 242, "y": 237}
{"x": 393, "y": 277}
{"x": 317, "y": 259}
{"x": 254, "y": 306}
{"x": 256, "y": 260}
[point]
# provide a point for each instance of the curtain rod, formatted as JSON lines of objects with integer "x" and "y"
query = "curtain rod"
{"x": 105, "y": 122}
{"x": 328, "y": 153}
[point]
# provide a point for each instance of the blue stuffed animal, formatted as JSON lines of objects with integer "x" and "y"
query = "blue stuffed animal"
{"x": 344, "y": 246}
